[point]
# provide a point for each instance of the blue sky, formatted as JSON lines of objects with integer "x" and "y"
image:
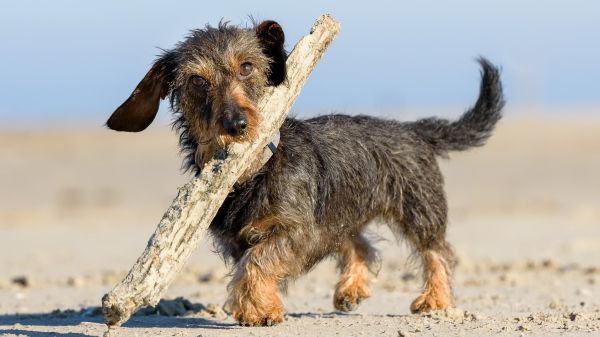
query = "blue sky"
{"x": 78, "y": 60}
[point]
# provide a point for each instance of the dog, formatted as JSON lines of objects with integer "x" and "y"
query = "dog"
{"x": 329, "y": 177}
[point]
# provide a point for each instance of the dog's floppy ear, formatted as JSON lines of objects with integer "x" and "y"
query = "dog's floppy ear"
{"x": 139, "y": 110}
{"x": 271, "y": 38}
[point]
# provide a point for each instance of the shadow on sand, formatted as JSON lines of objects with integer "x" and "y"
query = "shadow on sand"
{"x": 15, "y": 324}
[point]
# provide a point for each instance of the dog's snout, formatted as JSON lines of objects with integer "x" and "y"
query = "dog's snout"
{"x": 235, "y": 126}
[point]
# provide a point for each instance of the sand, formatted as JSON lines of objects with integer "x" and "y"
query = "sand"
{"x": 77, "y": 207}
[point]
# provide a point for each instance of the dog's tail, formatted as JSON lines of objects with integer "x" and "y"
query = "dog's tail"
{"x": 475, "y": 126}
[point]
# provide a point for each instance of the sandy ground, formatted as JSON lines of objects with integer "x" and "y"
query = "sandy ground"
{"x": 76, "y": 209}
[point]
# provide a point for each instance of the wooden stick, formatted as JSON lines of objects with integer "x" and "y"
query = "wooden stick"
{"x": 186, "y": 222}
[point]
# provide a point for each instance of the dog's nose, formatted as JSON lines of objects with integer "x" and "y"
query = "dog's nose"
{"x": 236, "y": 127}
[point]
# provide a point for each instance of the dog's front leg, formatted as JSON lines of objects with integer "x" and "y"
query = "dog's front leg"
{"x": 254, "y": 298}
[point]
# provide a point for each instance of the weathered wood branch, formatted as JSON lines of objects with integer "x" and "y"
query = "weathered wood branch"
{"x": 185, "y": 223}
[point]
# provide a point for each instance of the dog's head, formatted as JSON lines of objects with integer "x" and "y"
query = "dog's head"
{"x": 214, "y": 78}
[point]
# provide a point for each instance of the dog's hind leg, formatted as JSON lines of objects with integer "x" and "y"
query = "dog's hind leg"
{"x": 355, "y": 254}
{"x": 423, "y": 223}
{"x": 437, "y": 273}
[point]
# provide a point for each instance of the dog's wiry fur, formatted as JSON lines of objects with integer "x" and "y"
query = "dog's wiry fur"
{"x": 332, "y": 175}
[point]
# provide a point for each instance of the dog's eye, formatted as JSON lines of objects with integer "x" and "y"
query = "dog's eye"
{"x": 198, "y": 81}
{"x": 246, "y": 69}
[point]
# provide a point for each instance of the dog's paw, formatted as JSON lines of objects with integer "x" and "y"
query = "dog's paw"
{"x": 270, "y": 318}
{"x": 346, "y": 304}
{"x": 348, "y": 298}
{"x": 430, "y": 301}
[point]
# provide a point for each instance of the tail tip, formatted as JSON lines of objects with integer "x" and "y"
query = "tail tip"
{"x": 488, "y": 68}
{"x": 491, "y": 85}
